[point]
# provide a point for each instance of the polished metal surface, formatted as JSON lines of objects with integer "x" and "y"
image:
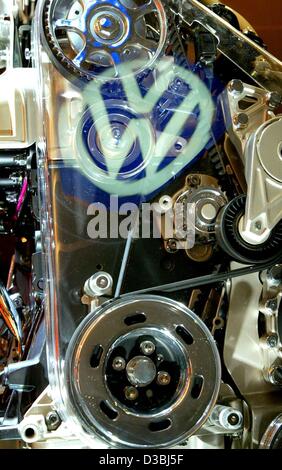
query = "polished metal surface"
{"x": 181, "y": 335}
{"x": 274, "y": 428}
{"x": 244, "y": 356}
{"x": 141, "y": 371}
{"x": 256, "y": 134}
{"x": 105, "y": 34}
{"x": 263, "y": 172}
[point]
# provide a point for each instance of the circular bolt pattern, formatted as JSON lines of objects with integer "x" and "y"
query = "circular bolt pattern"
{"x": 147, "y": 348}
{"x": 128, "y": 414}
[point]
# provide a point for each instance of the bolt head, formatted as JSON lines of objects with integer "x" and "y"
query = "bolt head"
{"x": 102, "y": 282}
{"x": 53, "y": 420}
{"x": 147, "y": 348}
{"x": 163, "y": 378}
{"x": 131, "y": 393}
{"x": 172, "y": 245}
{"x": 119, "y": 363}
{"x": 258, "y": 225}
{"x": 275, "y": 100}
{"x": 241, "y": 120}
{"x": 272, "y": 304}
{"x": 236, "y": 87}
{"x": 272, "y": 341}
{"x": 194, "y": 180}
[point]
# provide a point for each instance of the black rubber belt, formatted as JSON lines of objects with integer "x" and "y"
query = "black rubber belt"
{"x": 208, "y": 279}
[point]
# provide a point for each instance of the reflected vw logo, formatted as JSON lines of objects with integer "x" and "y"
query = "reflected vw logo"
{"x": 126, "y": 146}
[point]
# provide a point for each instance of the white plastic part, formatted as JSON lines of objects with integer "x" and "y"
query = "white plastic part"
{"x": 33, "y": 428}
{"x": 18, "y": 123}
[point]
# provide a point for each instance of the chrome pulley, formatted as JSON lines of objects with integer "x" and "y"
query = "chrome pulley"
{"x": 87, "y": 37}
{"x": 142, "y": 372}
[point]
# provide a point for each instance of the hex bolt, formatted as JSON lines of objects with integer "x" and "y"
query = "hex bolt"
{"x": 119, "y": 363}
{"x": 52, "y": 420}
{"x": 131, "y": 393}
{"x": 147, "y": 347}
{"x": 163, "y": 378}
{"x": 236, "y": 87}
{"x": 241, "y": 120}
{"x": 272, "y": 341}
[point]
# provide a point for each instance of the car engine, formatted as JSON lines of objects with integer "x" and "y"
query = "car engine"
{"x": 140, "y": 227}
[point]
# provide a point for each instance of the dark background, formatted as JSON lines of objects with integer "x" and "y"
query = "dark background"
{"x": 266, "y": 18}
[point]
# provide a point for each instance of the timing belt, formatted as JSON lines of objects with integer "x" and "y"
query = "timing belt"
{"x": 213, "y": 278}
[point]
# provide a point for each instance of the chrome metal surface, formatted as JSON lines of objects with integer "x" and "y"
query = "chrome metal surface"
{"x": 105, "y": 34}
{"x": 184, "y": 402}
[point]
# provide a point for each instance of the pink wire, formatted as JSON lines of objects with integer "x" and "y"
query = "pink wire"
{"x": 21, "y": 199}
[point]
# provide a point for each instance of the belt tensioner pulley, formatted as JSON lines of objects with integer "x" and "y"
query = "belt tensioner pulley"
{"x": 142, "y": 372}
{"x": 86, "y": 36}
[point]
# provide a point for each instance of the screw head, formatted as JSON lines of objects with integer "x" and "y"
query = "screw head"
{"x": 147, "y": 347}
{"x": 241, "y": 120}
{"x": 53, "y": 420}
{"x": 272, "y": 304}
{"x": 163, "y": 378}
{"x": 272, "y": 341}
{"x": 119, "y": 363}
{"x": 236, "y": 87}
{"x": 258, "y": 225}
{"x": 131, "y": 393}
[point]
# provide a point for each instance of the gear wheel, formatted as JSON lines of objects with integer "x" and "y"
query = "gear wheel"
{"x": 86, "y": 37}
{"x": 230, "y": 240}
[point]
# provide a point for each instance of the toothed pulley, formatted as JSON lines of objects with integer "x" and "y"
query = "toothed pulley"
{"x": 85, "y": 37}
